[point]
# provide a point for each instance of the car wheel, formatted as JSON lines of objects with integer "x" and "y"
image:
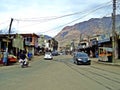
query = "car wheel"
{"x": 89, "y": 64}
{"x": 77, "y": 62}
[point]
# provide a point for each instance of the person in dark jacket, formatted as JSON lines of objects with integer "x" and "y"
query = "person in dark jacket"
{"x": 23, "y": 57}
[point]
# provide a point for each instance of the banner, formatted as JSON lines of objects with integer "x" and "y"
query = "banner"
{"x": 18, "y": 42}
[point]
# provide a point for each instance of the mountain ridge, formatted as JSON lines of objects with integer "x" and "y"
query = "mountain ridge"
{"x": 86, "y": 28}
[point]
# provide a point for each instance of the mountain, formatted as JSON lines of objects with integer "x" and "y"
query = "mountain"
{"x": 47, "y": 37}
{"x": 86, "y": 28}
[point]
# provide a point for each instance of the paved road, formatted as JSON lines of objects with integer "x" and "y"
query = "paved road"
{"x": 60, "y": 74}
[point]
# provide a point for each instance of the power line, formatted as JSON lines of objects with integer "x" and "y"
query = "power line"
{"x": 77, "y": 18}
{"x": 44, "y": 19}
{"x": 58, "y": 17}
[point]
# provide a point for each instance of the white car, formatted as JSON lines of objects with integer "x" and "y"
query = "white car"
{"x": 48, "y": 56}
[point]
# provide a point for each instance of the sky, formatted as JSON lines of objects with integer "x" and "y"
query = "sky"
{"x": 41, "y": 16}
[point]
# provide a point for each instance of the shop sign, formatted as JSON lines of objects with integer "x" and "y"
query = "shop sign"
{"x": 93, "y": 42}
{"x": 104, "y": 38}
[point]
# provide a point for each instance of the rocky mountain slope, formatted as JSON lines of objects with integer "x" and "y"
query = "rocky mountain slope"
{"x": 86, "y": 28}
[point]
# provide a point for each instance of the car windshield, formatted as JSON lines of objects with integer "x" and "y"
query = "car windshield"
{"x": 81, "y": 55}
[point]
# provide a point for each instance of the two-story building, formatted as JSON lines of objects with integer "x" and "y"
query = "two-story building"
{"x": 84, "y": 45}
{"x": 16, "y": 42}
{"x": 30, "y": 42}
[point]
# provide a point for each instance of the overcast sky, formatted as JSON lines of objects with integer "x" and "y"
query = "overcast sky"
{"x": 31, "y": 16}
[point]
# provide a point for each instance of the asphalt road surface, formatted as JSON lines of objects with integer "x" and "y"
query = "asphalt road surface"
{"x": 59, "y": 74}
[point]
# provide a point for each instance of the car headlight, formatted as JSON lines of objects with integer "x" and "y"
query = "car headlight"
{"x": 79, "y": 59}
{"x": 88, "y": 59}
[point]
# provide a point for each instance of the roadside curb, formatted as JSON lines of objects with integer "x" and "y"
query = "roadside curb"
{"x": 109, "y": 63}
{"x": 106, "y": 63}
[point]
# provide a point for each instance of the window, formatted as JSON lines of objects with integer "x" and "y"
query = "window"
{"x": 29, "y": 39}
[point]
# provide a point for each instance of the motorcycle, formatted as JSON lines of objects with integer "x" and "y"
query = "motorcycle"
{"x": 24, "y": 63}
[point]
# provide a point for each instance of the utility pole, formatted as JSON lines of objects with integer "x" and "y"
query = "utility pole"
{"x": 10, "y": 26}
{"x": 80, "y": 39}
{"x": 114, "y": 35}
{"x": 9, "y": 32}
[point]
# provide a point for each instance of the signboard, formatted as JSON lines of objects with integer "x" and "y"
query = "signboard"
{"x": 93, "y": 42}
{"x": 104, "y": 38}
{"x": 18, "y": 42}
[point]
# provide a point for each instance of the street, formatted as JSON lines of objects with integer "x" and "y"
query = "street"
{"x": 59, "y": 74}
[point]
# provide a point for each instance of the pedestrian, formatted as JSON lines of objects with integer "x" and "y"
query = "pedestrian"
{"x": 91, "y": 53}
{"x": 5, "y": 58}
{"x": 29, "y": 55}
{"x": 96, "y": 54}
{"x": 18, "y": 54}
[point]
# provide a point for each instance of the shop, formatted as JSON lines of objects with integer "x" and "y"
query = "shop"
{"x": 119, "y": 48}
{"x": 94, "y": 47}
{"x": 105, "y": 54}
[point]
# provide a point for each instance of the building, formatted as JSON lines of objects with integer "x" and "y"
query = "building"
{"x": 16, "y": 42}
{"x": 30, "y": 42}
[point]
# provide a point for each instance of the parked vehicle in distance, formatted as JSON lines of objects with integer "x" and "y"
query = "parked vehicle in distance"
{"x": 12, "y": 58}
{"x": 81, "y": 58}
{"x": 55, "y": 53}
{"x": 48, "y": 56}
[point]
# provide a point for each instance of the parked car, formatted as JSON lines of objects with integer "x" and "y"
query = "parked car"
{"x": 55, "y": 53}
{"x": 81, "y": 58}
{"x": 48, "y": 56}
{"x": 12, "y": 58}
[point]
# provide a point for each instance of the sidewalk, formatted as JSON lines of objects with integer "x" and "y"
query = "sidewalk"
{"x": 116, "y": 63}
